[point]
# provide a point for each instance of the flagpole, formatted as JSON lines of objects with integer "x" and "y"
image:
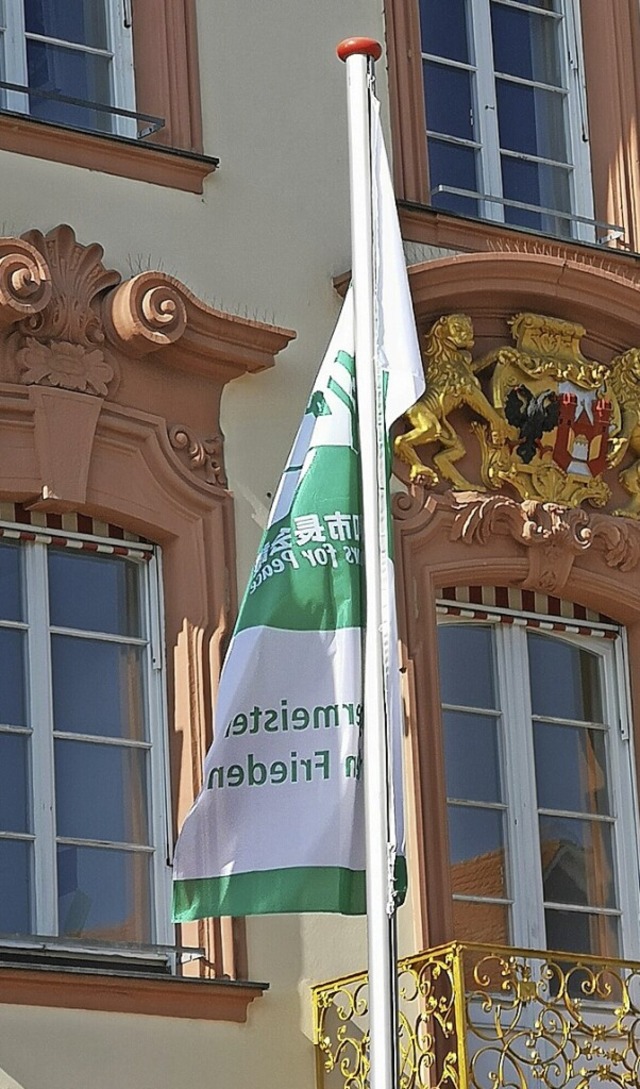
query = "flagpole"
{"x": 360, "y": 55}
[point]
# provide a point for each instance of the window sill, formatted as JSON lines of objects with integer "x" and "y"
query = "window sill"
{"x": 168, "y": 996}
{"x": 422, "y": 223}
{"x": 117, "y": 155}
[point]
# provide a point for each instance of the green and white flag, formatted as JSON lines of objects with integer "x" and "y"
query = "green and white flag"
{"x": 279, "y": 823}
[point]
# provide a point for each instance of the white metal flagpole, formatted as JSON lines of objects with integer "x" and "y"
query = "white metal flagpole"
{"x": 359, "y": 55}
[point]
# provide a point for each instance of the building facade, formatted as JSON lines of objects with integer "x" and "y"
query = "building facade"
{"x": 175, "y": 229}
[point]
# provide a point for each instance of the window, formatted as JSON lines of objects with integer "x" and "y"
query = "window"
{"x": 506, "y": 113}
{"x": 540, "y": 789}
{"x": 76, "y": 56}
{"x": 83, "y": 789}
{"x": 108, "y": 85}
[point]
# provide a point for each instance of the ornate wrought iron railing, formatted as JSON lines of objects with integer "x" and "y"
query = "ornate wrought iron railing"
{"x": 486, "y": 1017}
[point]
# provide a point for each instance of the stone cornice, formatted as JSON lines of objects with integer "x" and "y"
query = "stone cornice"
{"x": 155, "y": 312}
{"x": 65, "y": 319}
{"x": 549, "y": 279}
{"x": 157, "y": 996}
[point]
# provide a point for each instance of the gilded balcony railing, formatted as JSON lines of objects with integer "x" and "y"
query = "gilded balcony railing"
{"x": 483, "y": 1017}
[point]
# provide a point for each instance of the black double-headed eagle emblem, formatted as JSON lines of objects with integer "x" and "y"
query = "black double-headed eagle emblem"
{"x": 532, "y": 415}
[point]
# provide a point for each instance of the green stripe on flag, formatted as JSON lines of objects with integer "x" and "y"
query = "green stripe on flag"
{"x": 309, "y": 572}
{"x": 269, "y": 892}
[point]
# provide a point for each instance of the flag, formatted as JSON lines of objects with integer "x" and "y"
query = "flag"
{"x": 279, "y": 823}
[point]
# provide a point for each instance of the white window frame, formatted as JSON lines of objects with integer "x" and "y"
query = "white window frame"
{"x": 38, "y": 629}
{"x": 522, "y": 841}
{"x": 119, "y": 53}
{"x": 485, "y": 108}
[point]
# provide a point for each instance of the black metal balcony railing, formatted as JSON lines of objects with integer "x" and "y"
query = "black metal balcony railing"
{"x": 484, "y": 1017}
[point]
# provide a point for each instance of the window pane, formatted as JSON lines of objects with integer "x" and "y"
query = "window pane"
{"x": 81, "y": 21}
{"x": 472, "y": 757}
{"x": 10, "y": 581}
{"x": 448, "y": 100}
{"x": 444, "y": 29}
{"x": 94, "y": 593}
{"x": 13, "y": 711}
{"x": 466, "y": 665}
{"x": 56, "y": 70}
{"x": 14, "y": 791}
{"x": 526, "y": 45}
{"x": 15, "y": 883}
{"x": 454, "y": 166}
{"x": 571, "y": 769}
{"x": 531, "y": 121}
{"x": 546, "y": 5}
{"x": 101, "y": 792}
{"x": 98, "y": 688}
{"x": 537, "y": 184}
{"x": 477, "y": 851}
{"x": 580, "y": 932}
{"x": 565, "y": 680}
{"x": 475, "y": 922}
{"x": 577, "y": 862}
{"x": 104, "y": 894}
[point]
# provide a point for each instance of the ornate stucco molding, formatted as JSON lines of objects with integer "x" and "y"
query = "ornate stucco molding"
{"x": 155, "y": 313}
{"x": 71, "y": 317}
{"x": 63, "y": 343}
{"x": 25, "y": 281}
{"x": 146, "y": 313}
{"x": 74, "y": 338}
{"x": 203, "y": 456}
{"x": 551, "y": 536}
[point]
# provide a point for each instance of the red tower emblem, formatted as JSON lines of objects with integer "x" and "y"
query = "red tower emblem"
{"x": 581, "y": 437}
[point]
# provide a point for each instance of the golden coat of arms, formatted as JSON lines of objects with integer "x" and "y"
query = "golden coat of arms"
{"x": 554, "y": 423}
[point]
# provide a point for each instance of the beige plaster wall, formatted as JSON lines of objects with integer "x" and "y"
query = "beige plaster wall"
{"x": 264, "y": 240}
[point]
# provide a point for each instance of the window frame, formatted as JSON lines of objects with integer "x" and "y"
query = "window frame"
{"x": 118, "y": 50}
{"x": 38, "y": 693}
{"x": 521, "y": 811}
{"x": 484, "y": 77}
{"x": 167, "y": 85}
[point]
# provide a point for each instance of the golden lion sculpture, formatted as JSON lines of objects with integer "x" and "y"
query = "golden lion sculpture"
{"x": 450, "y": 383}
{"x": 624, "y": 382}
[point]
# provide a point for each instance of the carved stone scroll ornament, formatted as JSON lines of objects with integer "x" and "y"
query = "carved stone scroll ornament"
{"x": 553, "y": 534}
{"x": 203, "y": 456}
{"x": 63, "y": 344}
{"x": 552, "y": 425}
{"x": 25, "y": 284}
{"x": 146, "y": 313}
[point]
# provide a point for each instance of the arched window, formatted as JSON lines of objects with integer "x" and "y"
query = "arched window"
{"x": 539, "y": 783}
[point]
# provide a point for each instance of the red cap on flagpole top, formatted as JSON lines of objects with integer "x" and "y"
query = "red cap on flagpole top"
{"x": 352, "y": 46}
